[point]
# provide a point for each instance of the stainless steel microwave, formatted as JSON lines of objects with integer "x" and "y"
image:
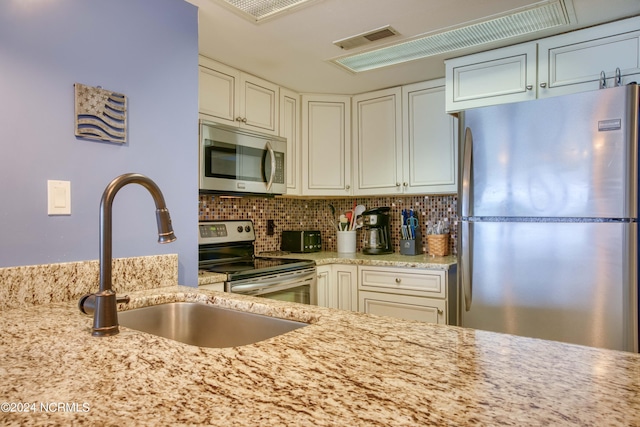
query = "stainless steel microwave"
{"x": 234, "y": 160}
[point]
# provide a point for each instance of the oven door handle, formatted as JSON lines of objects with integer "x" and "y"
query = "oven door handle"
{"x": 270, "y": 285}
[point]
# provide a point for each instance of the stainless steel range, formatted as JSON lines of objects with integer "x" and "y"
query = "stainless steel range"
{"x": 228, "y": 247}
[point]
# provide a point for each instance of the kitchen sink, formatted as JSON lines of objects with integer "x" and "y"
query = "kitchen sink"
{"x": 205, "y": 325}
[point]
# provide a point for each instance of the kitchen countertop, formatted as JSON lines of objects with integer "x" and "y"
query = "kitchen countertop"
{"x": 389, "y": 260}
{"x": 345, "y": 368}
{"x": 324, "y": 258}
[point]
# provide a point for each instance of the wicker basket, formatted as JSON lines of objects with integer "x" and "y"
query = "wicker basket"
{"x": 438, "y": 244}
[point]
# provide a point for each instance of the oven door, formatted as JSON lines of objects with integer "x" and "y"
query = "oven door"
{"x": 293, "y": 286}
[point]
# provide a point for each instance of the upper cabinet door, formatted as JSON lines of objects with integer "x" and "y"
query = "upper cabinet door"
{"x": 429, "y": 140}
{"x": 217, "y": 91}
{"x": 493, "y": 77}
{"x": 326, "y": 145}
{"x": 229, "y": 96}
{"x": 290, "y": 129}
{"x": 258, "y": 104}
{"x": 575, "y": 62}
{"x": 377, "y": 139}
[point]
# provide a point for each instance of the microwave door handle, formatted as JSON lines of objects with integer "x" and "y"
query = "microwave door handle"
{"x": 273, "y": 165}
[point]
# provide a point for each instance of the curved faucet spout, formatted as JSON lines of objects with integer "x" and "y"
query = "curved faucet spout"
{"x": 105, "y": 315}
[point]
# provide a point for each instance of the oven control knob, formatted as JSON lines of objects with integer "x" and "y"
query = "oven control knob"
{"x": 247, "y": 228}
{"x": 239, "y": 229}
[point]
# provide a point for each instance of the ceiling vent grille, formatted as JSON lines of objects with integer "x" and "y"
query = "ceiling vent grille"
{"x": 520, "y": 22}
{"x": 365, "y": 38}
{"x": 261, "y": 10}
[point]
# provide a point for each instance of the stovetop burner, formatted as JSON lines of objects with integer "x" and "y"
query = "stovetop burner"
{"x": 227, "y": 247}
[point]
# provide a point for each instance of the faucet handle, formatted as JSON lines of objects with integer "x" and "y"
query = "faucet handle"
{"x": 87, "y": 303}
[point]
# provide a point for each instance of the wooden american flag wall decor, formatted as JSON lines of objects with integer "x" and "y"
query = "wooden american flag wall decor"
{"x": 100, "y": 114}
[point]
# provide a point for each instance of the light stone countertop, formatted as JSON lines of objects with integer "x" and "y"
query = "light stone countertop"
{"x": 386, "y": 260}
{"x": 209, "y": 278}
{"x": 345, "y": 369}
{"x": 324, "y": 258}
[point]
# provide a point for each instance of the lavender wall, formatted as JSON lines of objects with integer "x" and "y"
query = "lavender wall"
{"x": 145, "y": 49}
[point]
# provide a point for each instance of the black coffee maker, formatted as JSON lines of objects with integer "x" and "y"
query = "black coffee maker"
{"x": 377, "y": 238}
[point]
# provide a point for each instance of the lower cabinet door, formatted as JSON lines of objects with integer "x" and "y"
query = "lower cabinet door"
{"x": 403, "y": 307}
{"x": 323, "y": 286}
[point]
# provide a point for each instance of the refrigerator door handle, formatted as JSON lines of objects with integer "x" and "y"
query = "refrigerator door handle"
{"x": 465, "y": 263}
{"x": 465, "y": 182}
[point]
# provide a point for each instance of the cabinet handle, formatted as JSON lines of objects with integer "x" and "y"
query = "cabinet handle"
{"x": 347, "y": 187}
{"x": 529, "y": 87}
{"x": 440, "y": 311}
{"x": 238, "y": 119}
{"x": 406, "y": 184}
{"x": 397, "y": 184}
{"x": 244, "y": 120}
{"x": 543, "y": 85}
{"x": 398, "y": 280}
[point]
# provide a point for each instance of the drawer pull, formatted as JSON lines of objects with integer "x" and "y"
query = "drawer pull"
{"x": 398, "y": 280}
{"x": 440, "y": 311}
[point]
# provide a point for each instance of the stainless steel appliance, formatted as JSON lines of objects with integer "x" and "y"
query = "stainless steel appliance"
{"x": 548, "y": 215}
{"x": 377, "y": 238}
{"x": 227, "y": 247}
{"x": 301, "y": 241}
{"x": 234, "y": 160}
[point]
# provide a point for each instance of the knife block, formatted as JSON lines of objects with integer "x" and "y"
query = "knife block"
{"x": 411, "y": 247}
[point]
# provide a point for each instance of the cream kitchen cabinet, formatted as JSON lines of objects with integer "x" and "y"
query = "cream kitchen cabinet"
{"x": 493, "y": 77}
{"x": 557, "y": 65}
{"x": 405, "y": 142}
{"x": 290, "y": 129}
{"x": 326, "y": 145}
{"x": 425, "y": 295}
{"x": 337, "y": 286}
{"x": 323, "y": 284}
{"x": 403, "y": 307}
{"x": 429, "y": 140}
{"x": 232, "y": 97}
{"x": 377, "y": 140}
{"x": 574, "y": 62}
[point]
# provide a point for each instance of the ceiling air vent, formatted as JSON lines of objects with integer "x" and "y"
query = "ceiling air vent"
{"x": 364, "y": 38}
{"x": 518, "y": 22}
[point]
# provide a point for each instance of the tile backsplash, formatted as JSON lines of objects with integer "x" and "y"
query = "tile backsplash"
{"x": 315, "y": 214}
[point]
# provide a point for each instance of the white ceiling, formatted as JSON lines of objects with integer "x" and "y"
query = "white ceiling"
{"x": 292, "y": 50}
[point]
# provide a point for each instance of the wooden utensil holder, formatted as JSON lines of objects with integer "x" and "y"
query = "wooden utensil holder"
{"x": 438, "y": 244}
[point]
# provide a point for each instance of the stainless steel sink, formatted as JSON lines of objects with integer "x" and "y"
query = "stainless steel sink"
{"x": 205, "y": 325}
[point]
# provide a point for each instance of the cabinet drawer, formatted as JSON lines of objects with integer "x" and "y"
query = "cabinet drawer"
{"x": 403, "y": 307}
{"x": 405, "y": 281}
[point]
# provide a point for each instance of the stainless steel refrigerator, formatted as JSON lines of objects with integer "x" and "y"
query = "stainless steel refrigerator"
{"x": 548, "y": 209}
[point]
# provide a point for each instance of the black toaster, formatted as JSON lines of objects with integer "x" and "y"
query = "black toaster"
{"x": 301, "y": 241}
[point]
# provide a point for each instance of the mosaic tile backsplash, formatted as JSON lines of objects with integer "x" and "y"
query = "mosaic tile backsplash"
{"x": 315, "y": 214}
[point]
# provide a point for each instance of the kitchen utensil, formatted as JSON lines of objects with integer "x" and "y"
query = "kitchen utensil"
{"x": 357, "y": 211}
{"x": 333, "y": 217}
{"x": 344, "y": 223}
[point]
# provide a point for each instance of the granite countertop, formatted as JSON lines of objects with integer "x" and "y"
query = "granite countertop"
{"x": 388, "y": 260}
{"x": 345, "y": 368}
{"x": 324, "y": 258}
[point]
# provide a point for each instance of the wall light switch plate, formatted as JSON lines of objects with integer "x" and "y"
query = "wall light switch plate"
{"x": 59, "y": 197}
